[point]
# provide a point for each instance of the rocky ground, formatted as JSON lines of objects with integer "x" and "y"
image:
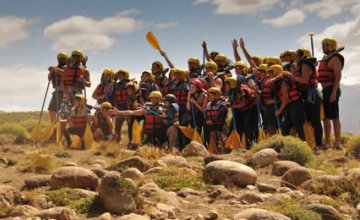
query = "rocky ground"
{"x": 111, "y": 182}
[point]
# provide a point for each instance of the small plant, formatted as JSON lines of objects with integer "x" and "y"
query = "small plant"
{"x": 323, "y": 165}
{"x": 111, "y": 149}
{"x": 353, "y": 146}
{"x": 20, "y": 132}
{"x": 150, "y": 152}
{"x": 174, "y": 179}
{"x": 39, "y": 163}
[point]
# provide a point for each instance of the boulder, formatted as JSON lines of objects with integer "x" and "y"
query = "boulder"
{"x": 263, "y": 187}
{"x": 10, "y": 196}
{"x": 251, "y": 197}
{"x": 259, "y": 214}
{"x": 60, "y": 213}
{"x": 118, "y": 195}
{"x": 231, "y": 157}
{"x": 353, "y": 174}
{"x": 280, "y": 167}
{"x": 295, "y": 177}
{"x": 326, "y": 212}
{"x": 172, "y": 160}
{"x": 195, "y": 149}
{"x": 151, "y": 193}
{"x": 74, "y": 177}
{"x": 37, "y": 181}
{"x": 99, "y": 172}
{"x": 229, "y": 173}
{"x": 134, "y": 161}
{"x": 265, "y": 157}
{"x": 133, "y": 173}
{"x": 24, "y": 210}
{"x": 185, "y": 192}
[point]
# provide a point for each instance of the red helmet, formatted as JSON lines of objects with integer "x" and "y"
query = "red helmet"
{"x": 198, "y": 83}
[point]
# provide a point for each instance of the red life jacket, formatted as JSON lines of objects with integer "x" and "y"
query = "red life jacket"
{"x": 267, "y": 90}
{"x": 78, "y": 121}
{"x": 250, "y": 98}
{"x": 152, "y": 122}
{"x": 56, "y": 79}
{"x": 73, "y": 77}
{"x": 166, "y": 89}
{"x": 99, "y": 91}
{"x": 313, "y": 81}
{"x": 103, "y": 125}
{"x": 293, "y": 92}
{"x": 213, "y": 111}
{"x": 180, "y": 91}
{"x": 121, "y": 95}
{"x": 326, "y": 74}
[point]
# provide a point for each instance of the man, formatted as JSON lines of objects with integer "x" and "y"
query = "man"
{"x": 171, "y": 121}
{"x": 102, "y": 126}
{"x": 330, "y": 70}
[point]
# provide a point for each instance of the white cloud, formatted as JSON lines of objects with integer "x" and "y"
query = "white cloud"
{"x": 328, "y": 8}
{"x": 348, "y": 35}
{"x": 13, "y": 29}
{"x": 292, "y": 17}
{"x": 171, "y": 24}
{"x": 91, "y": 34}
{"x": 244, "y": 7}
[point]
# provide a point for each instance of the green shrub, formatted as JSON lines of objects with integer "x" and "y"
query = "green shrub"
{"x": 30, "y": 124}
{"x": 20, "y": 132}
{"x": 353, "y": 146}
{"x": 290, "y": 148}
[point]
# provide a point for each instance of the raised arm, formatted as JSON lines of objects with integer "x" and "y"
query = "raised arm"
{"x": 207, "y": 54}
{"x": 171, "y": 65}
{"x": 247, "y": 55}
{"x": 236, "y": 52}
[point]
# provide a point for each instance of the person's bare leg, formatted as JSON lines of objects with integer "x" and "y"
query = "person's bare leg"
{"x": 337, "y": 132}
{"x": 327, "y": 131}
{"x": 118, "y": 125}
{"x": 171, "y": 132}
{"x": 220, "y": 141}
{"x": 212, "y": 143}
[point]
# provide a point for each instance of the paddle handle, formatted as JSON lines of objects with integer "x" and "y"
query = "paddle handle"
{"x": 43, "y": 104}
{"x": 233, "y": 118}
{"x": 277, "y": 117}
{"x": 192, "y": 106}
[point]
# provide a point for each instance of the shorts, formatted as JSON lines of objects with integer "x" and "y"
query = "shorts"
{"x": 331, "y": 110}
{"x": 55, "y": 101}
{"x": 270, "y": 119}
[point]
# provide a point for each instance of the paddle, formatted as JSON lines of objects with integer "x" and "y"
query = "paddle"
{"x": 88, "y": 135}
{"x": 150, "y": 37}
{"x": 196, "y": 136}
{"x": 233, "y": 141}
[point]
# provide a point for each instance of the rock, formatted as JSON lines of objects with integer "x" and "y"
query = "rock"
{"x": 134, "y": 161}
{"x": 284, "y": 190}
{"x": 37, "y": 181}
{"x": 24, "y": 210}
{"x": 41, "y": 201}
{"x": 118, "y": 194}
{"x": 99, "y": 172}
{"x": 195, "y": 149}
{"x": 229, "y": 172}
{"x": 172, "y": 160}
{"x": 259, "y": 214}
{"x": 295, "y": 177}
{"x": 358, "y": 210}
{"x": 185, "y": 192}
{"x": 219, "y": 192}
{"x": 280, "y": 167}
{"x": 166, "y": 210}
{"x": 10, "y": 196}
{"x": 74, "y": 177}
{"x": 353, "y": 174}
{"x": 70, "y": 164}
{"x": 296, "y": 195}
{"x": 105, "y": 216}
{"x": 251, "y": 197}
{"x": 133, "y": 174}
{"x": 230, "y": 157}
{"x": 322, "y": 181}
{"x": 154, "y": 170}
{"x": 212, "y": 215}
{"x": 152, "y": 193}
{"x": 60, "y": 213}
{"x": 326, "y": 212}
{"x": 265, "y": 157}
{"x": 263, "y": 187}
{"x": 133, "y": 216}
{"x": 101, "y": 163}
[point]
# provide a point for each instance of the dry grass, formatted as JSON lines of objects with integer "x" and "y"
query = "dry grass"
{"x": 111, "y": 149}
{"x": 20, "y": 132}
{"x": 38, "y": 163}
{"x": 150, "y": 152}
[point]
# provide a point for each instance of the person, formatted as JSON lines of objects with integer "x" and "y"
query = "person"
{"x": 330, "y": 72}
{"x": 197, "y": 101}
{"x": 102, "y": 126}
{"x": 215, "y": 116}
{"x": 194, "y": 67}
{"x": 171, "y": 122}
{"x": 56, "y": 78}
{"x": 76, "y": 122}
{"x": 153, "y": 123}
{"x": 119, "y": 98}
{"x": 306, "y": 78}
{"x": 147, "y": 84}
{"x": 102, "y": 91}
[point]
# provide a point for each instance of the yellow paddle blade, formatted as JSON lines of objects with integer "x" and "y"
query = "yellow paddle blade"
{"x": 262, "y": 135}
{"x": 136, "y": 133}
{"x": 36, "y": 132}
{"x": 88, "y": 137}
{"x": 187, "y": 131}
{"x": 150, "y": 37}
{"x": 309, "y": 134}
{"x": 197, "y": 137}
{"x": 58, "y": 132}
{"x": 243, "y": 140}
{"x": 233, "y": 141}
{"x": 48, "y": 132}
{"x": 322, "y": 113}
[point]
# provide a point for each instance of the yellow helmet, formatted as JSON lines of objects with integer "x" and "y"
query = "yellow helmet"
{"x": 75, "y": 142}
{"x": 106, "y": 105}
{"x": 181, "y": 72}
{"x": 194, "y": 60}
{"x": 78, "y": 53}
{"x": 303, "y": 53}
{"x": 331, "y": 42}
{"x": 232, "y": 81}
{"x": 108, "y": 72}
{"x": 79, "y": 96}
{"x": 257, "y": 57}
{"x": 273, "y": 61}
{"x": 211, "y": 65}
{"x": 155, "y": 94}
{"x": 133, "y": 84}
{"x": 161, "y": 67}
{"x": 264, "y": 61}
{"x": 216, "y": 91}
{"x": 292, "y": 54}
{"x": 242, "y": 65}
{"x": 125, "y": 72}
{"x": 221, "y": 57}
{"x": 276, "y": 69}
{"x": 62, "y": 55}
{"x": 151, "y": 76}
{"x": 263, "y": 67}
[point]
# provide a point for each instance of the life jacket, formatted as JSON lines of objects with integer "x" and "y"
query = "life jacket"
{"x": 103, "y": 124}
{"x": 250, "y": 98}
{"x": 158, "y": 79}
{"x": 180, "y": 91}
{"x": 171, "y": 120}
{"x": 99, "y": 91}
{"x": 120, "y": 93}
{"x": 166, "y": 89}
{"x": 194, "y": 74}
{"x": 293, "y": 91}
{"x": 153, "y": 123}
{"x": 213, "y": 111}
{"x": 267, "y": 91}
{"x": 326, "y": 74}
{"x": 73, "y": 77}
{"x": 313, "y": 81}
{"x": 132, "y": 100}
{"x": 206, "y": 81}
{"x": 56, "y": 78}
{"x": 78, "y": 120}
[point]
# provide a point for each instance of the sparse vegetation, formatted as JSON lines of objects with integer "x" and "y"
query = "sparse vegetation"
{"x": 111, "y": 149}
{"x": 38, "y": 163}
{"x": 323, "y": 165}
{"x": 18, "y": 131}
{"x": 30, "y": 124}
{"x": 150, "y": 152}
{"x": 353, "y": 146}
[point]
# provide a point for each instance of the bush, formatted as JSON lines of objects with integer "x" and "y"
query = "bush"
{"x": 290, "y": 148}
{"x": 20, "y": 132}
{"x": 30, "y": 124}
{"x": 39, "y": 163}
{"x": 353, "y": 146}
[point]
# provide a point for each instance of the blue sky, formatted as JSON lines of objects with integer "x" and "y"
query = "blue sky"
{"x": 113, "y": 33}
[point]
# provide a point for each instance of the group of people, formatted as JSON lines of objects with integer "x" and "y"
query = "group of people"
{"x": 274, "y": 94}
